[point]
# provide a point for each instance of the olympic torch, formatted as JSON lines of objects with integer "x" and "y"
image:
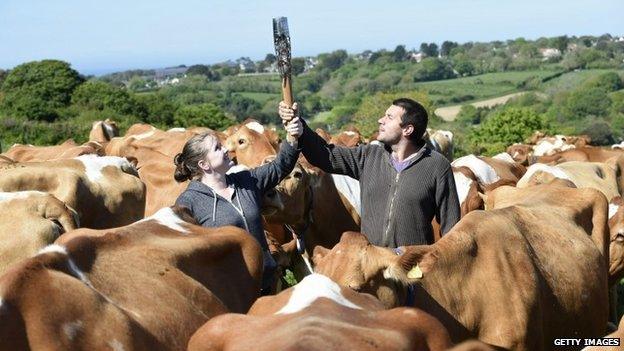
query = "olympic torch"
{"x": 281, "y": 40}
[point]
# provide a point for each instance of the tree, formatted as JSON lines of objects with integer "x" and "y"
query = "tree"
{"x": 297, "y": 65}
{"x": 560, "y": 43}
{"x": 600, "y": 133}
{"x": 464, "y": 67}
{"x": 333, "y": 60}
{"x": 37, "y": 89}
{"x": 3, "y": 75}
{"x": 511, "y": 125}
{"x": 137, "y": 83}
{"x": 270, "y": 58}
{"x": 446, "y": 48}
{"x": 97, "y": 95}
{"x": 399, "y": 54}
{"x": 203, "y": 115}
{"x": 585, "y": 102}
{"x": 160, "y": 110}
{"x": 203, "y": 70}
{"x": 241, "y": 107}
{"x": 430, "y": 49}
{"x": 432, "y": 68}
{"x": 609, "y": 81}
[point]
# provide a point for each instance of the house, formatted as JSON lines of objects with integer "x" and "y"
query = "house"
{"x": 550, "y": 53}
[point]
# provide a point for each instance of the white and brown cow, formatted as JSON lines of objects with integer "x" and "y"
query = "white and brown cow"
{"x": 29, "y": 221}
{"x": 146, "y": 286}
{"x": 596, "y": 175}
{"x": 103, "y": 131}
{"x": 512, "y": 277}
{"x": 105, "y": 191}
{"x": 68, "y": 149}
{"x": 317, "y": 314}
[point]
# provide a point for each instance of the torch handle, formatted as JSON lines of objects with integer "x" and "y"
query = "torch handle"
{"x": 288, "y": 98}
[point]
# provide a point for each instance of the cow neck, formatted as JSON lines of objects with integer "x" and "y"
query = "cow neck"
{"x": 410, "y": 294}
{"x": 307, "y": 221}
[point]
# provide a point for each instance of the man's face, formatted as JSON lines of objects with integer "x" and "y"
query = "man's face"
{"x": 390, "y": 130}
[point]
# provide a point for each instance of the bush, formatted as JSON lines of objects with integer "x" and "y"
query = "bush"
{"x": 585, "y": 102}
{"x": 204, "y": 115}
{"x": 600, "y": 133}
{"x": 609, "y": 81}
{"x": 97, "y": 95}
{"x": 34, "y": 90}
{"x": 510, "y": 125}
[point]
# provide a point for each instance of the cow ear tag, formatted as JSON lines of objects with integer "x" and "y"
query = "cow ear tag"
{"x": 415, "y": 273}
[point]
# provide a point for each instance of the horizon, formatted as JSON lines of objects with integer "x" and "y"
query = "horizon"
{"x": 97, "y": 38}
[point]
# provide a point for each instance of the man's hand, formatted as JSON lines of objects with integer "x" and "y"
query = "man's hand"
{"x": 294, "y": 128}
{"x": 287, "y": 113}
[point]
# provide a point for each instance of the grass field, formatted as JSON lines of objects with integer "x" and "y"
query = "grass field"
{"x": 262, "y": 98}
{"x": 573, "y": 79}
{"x": 468, "y": 89}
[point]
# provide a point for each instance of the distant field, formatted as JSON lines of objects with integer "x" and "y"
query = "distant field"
{"x": 262, "y": 98}
{"x": 469, "y": 89}
{"x": 573, "y": 79}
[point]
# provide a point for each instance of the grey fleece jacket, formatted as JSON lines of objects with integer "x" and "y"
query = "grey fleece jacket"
{"x": 212, "y": 210}
{"x": 397, "y": 208}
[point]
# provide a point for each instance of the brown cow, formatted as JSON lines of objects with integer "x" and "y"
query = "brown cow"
{"x": 492, "y": 172}
{"x": 103, "y": 131}
{"x": 146, "y": 286}
{"x": 619, "y": 334}
{"x": 616, "y": 248}
{"x": 596, "y": 175}
{"x": 249, "y": 146}
{"x": 545, "y": 239}
{"x": 105, "y": 191}
{"x": 29, "y": 221}
{"x": 317, "y": 314}
{"x": 68, "y": 149}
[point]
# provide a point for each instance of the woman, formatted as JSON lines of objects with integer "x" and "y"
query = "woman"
{"x": 217, "y": 199}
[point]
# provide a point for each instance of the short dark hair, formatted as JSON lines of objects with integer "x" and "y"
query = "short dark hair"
{"x": 416, "y": 115}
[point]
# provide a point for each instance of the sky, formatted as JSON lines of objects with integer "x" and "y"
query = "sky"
{"x": 99, "y": 37}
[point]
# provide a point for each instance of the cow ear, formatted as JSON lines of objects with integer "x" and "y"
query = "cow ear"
{"x": 410, "y": 267}
{"x": 318, "y": 254}
{"x": 484, "y": 198}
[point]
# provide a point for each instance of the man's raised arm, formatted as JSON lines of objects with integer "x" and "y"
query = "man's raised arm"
{"x": 328, "y": 157}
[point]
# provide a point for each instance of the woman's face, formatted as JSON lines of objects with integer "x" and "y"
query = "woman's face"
{"x": 216, "y": 159}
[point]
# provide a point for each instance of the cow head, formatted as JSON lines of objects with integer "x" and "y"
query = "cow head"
{"x": 323, "y": 134}
{"x": 249, "y": 147}
{"x": 295, "y": 193}
{"x": 616, "y": 247}
{"x": 467, "y": 188}
{"x": 520, "y": 153}
{"x": 347, "y": 138}
{"x": 355, "y": 263}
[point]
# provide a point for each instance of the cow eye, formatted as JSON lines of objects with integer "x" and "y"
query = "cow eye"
{"x": 241, "y": 141}
{"x": 619, "y": 237}
{"x": 297, "y": 174}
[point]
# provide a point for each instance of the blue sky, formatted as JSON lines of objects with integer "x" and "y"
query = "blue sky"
{"x": 104, "y": 36}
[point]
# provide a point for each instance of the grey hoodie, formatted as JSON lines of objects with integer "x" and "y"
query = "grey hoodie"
{"x": 212, "y": 210}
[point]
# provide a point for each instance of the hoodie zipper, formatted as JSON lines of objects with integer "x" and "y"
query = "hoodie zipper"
{"x": 396, "y": 187}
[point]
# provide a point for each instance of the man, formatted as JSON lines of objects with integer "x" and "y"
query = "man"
{"x": 403, "y": 184}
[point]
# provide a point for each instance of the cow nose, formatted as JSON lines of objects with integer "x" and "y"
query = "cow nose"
{"x": 355, "y": 287}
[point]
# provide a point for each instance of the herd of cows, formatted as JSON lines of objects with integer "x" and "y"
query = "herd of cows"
{"x": 93, "y": 256}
